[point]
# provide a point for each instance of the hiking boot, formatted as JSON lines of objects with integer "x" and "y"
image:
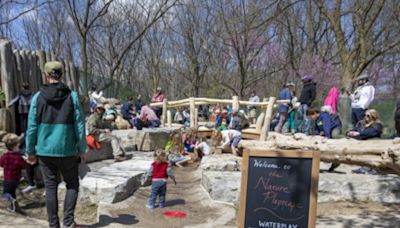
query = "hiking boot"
{"x": 29, "y": 189}
{"x": 120, "y": 159}
{"x": 333, "y": 167}
{"x": 73, "y": 225}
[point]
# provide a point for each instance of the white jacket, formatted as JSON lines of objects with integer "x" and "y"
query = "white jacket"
{"x": 363, "y": 96}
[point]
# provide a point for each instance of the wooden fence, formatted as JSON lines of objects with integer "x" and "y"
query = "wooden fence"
{"x": 18, "y": 66}
{"x": 266, "y": 104}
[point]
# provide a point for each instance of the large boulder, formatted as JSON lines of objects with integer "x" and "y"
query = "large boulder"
{"x": 104, "y": 153}
{"x": 147, "y": 139}
{"x": 222, "y": 186}
{"x": 221, "y": 162}
{"x": 359, "y": 187}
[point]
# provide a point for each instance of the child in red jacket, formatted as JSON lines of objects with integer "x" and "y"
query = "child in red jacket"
{"x": 159, "y": 172}
{"x": 13, "y": 164}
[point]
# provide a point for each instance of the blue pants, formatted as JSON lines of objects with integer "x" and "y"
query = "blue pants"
{"x": 158, "y": 188}
{"x": 303, "y": 118}
{"x": 9, "y": 189}
{"x": 357, "y": 114}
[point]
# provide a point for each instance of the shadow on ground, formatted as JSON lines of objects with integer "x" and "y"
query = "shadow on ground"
{"x": 123, "y": 219}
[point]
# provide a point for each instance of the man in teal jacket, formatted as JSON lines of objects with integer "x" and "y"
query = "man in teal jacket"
{"x": 56, "y": 137}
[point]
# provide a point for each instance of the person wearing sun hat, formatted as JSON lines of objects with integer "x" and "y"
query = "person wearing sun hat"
{"x": 56, "y": 137}
{"x": 361, "y": 98}
{"x": 283, "y": 109}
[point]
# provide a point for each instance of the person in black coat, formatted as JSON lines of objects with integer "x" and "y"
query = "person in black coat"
{"x": 397, "y": 119}
{"x": 23, "y": 100}
{"x": 369, "y": 127}
{"x": 307, "y": 96}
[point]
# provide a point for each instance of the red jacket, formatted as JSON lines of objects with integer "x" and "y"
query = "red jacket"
{"x": 13, "y": 164}
{"x": 159, "y": 170}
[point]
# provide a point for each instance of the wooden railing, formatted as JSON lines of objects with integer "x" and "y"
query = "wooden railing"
{"x": 266, "y": 104}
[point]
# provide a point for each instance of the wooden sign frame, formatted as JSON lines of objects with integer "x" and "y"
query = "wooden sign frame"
{"x": 253, "y": 152}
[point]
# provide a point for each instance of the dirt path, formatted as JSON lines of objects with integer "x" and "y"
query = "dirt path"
{"x": 187, "y": 196}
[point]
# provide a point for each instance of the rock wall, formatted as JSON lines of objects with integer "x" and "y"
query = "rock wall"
{"x": 222, "y": 179}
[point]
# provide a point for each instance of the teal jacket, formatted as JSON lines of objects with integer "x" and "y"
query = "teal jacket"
{"x": 56, "y": 123}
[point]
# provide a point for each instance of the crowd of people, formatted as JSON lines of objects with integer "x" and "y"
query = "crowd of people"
{"x": 54, "y": 114}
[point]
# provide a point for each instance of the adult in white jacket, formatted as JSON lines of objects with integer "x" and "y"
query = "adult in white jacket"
{"x": 361, "y": 98}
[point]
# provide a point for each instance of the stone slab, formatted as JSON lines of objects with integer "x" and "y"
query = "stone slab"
{"x": 221, "y": 162}
{"x": 111, "y": 182}
{"x": 222, "y": 186}
{"x": 359, "y": 187}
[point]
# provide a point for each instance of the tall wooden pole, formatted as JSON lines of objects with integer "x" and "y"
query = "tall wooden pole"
{"x": 192, "y": 112}
{"x": 267, "y": 120}
{"x": 235, "y": 103}
{"x": 164, "y": 112}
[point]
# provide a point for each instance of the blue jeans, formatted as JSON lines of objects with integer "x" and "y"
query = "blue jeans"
{"x": 9, "y": 189}
{"x": 158, "y": 188}
{"x": 302, "y": 111}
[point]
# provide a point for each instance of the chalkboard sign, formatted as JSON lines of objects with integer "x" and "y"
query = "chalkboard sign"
{"x": 279, "y": 188}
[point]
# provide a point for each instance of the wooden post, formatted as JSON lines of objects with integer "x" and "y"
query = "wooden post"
{"x": 42, "y": 60}
{"x": 8, "y": 72}
{"x": 169, "y": 118}
{"x": 164, "y": 112}
{"x": 192, "y": 112}
{"x": 235, "y": 103}
{"x": 267, "y": 120}
{"x": 17, "y": 76}
{"x": 196, "y": 114}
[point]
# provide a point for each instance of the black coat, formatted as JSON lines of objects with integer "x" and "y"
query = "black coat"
{"x": 308, "y": 94}
{"x": 397, "y": 118}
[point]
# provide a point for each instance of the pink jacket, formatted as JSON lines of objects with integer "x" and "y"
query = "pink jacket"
{"x": 333, "y": 99}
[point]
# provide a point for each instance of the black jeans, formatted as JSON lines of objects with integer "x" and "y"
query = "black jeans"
{"x": 68, "y": 167}
{"x": 357, "y": 114}
{"x": 30, "y": 172}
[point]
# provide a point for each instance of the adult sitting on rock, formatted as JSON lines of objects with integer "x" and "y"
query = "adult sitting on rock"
{"x": 101, "y": 133}
{"x": 369, "y": 127}
{"x": 149, "y": 117}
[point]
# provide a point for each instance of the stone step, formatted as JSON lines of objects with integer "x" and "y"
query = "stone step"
{"x": 112, "y": 183}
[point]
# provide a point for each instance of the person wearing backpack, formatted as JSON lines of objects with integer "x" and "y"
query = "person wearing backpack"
{"x": 56, "y": 137}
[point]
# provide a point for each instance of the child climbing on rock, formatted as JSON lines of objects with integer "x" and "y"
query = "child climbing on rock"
{"x": 228, "y": 137}
{"x": 159, "y": 172}
{"x": 176, "y": 150}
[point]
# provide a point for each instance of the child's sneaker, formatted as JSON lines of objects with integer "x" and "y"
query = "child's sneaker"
{"x": 161, "y": 205}
{"x": 149, "y": 206}
{"x": 12, "y": 205}
{"x": 28, "y": 189}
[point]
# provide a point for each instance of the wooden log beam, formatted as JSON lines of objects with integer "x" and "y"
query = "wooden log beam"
{"x": 380, "y": 154}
